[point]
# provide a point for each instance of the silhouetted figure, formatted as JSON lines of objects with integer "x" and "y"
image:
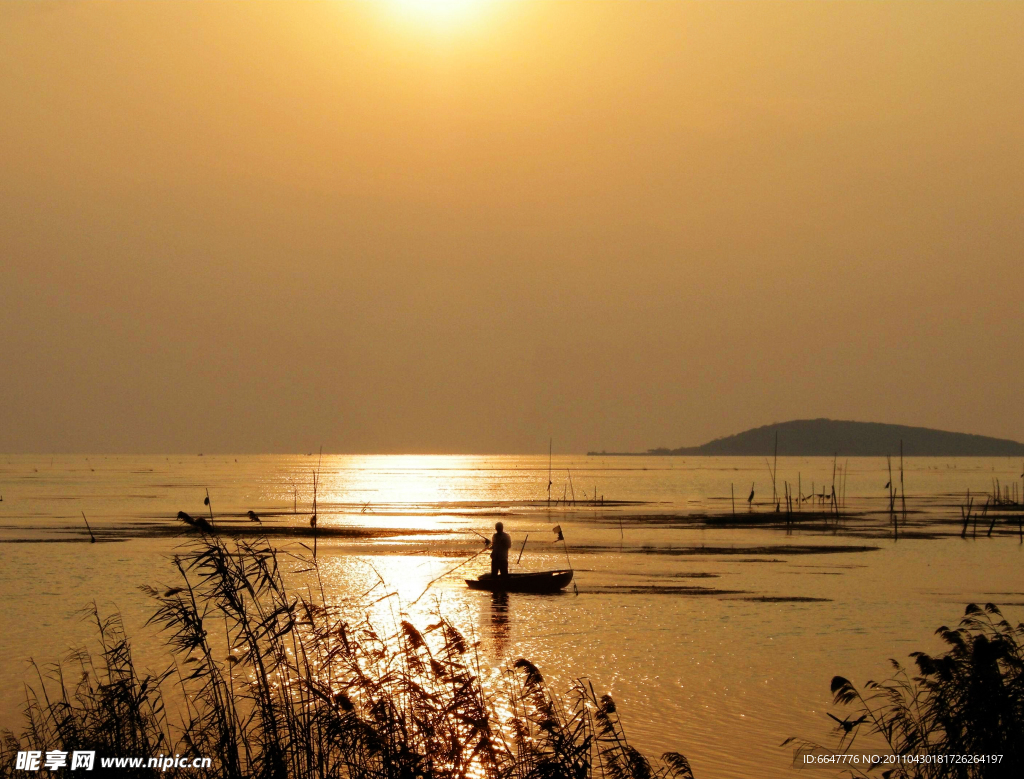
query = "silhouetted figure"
{"x": 254, "y": 517}
{"x": 750, "y": 497}
{"x": 501, "y": 542}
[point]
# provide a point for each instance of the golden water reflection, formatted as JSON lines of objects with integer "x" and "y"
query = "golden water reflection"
{"x": 707, "y": 636}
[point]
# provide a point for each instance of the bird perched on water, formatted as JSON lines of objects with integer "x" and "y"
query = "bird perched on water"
{"x": 254, "y": 517}
{"x": 199, "y": 522}
{"x": 750, "y": 497}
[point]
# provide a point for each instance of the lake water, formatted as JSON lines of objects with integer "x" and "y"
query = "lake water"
{"x": 716, "y": 639}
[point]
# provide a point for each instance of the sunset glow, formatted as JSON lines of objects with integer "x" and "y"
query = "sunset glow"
{"x": 440, "y": 13}
{"x": 458, "y": 386}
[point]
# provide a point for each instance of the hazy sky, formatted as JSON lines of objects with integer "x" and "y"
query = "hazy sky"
{"x": 255, "y": 227}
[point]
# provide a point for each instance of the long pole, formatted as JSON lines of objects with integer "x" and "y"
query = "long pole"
{"x": 775, "y": 467}
{"x": 522, "y": 548}
{"x": 892, "y": 489}
{"x": 903, "y": 492}
{"x": 549, "y": 471}
{"x": 834, "y": 505}
{"x": 846, "y": 475}
{"x": 92, "y": 538}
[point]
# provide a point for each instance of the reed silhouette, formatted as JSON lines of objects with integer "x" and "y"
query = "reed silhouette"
{"x": 969, "y": 700}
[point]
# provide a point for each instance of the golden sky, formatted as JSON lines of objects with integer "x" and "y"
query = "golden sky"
{"x": 385, "y": 226}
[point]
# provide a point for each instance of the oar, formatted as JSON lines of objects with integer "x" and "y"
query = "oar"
{"x": 522, "y": 548}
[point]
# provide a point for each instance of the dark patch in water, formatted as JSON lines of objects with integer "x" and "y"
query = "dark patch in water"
{"x": 790, "y": 549}
{"x": 697, "y": 575}
{"x": 60, "y": 540}
{"x": 628, "y": 589}
{"x": 791, "y": 599}
{"x": 254, "y": 530}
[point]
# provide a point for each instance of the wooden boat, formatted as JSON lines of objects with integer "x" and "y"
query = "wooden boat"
{"x": 542, "y": 581}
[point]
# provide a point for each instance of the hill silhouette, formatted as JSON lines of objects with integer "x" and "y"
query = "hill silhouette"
{"x": 825, "y": 437}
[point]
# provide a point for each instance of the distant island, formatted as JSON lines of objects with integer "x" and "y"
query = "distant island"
{"x": 826, "y": 437}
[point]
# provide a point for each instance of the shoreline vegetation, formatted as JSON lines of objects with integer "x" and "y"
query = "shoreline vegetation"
{"x": 271, "y": 682}
{"x": 967, "y": 701}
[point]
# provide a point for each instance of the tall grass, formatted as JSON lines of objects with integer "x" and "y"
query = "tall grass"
{"x": 271, "y": 682}
{"x": 969, "y": 700}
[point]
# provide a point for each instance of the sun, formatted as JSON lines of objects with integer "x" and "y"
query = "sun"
{"x": 438, "y": 12}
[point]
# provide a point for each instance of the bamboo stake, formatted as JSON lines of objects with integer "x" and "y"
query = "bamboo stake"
{"x": 92, "y": 538}
{"x": 903, "y": 491}
{"x": 835, "y": 507}
{"x": 846, "y": 475}
{"x": 775, "y": 467}
{"x": 522, "y": 548}
{"x": 550, "y": 440}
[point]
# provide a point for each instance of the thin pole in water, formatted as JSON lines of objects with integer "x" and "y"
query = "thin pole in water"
{"x": 92, "y": 538}
{"x": 846, "y": 473}
{"x": 522, "y": 548}
{"x": 775, "y": 467}
{"x": 903, "y": 492}
{"x": 550, "y": 441}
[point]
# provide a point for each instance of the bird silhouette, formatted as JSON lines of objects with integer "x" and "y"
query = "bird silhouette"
{"x": 847, "y": 724}
{"x": 750, "y": 497}
{"x": 254, "y": 517}
{"x": 887, "y": 485}
{"x": 199, "y": 522}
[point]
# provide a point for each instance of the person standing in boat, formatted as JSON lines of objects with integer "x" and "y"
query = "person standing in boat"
{"x": 501, "y": 542}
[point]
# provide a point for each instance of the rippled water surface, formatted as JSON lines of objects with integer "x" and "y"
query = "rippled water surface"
{"x": 716, "y": 635}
